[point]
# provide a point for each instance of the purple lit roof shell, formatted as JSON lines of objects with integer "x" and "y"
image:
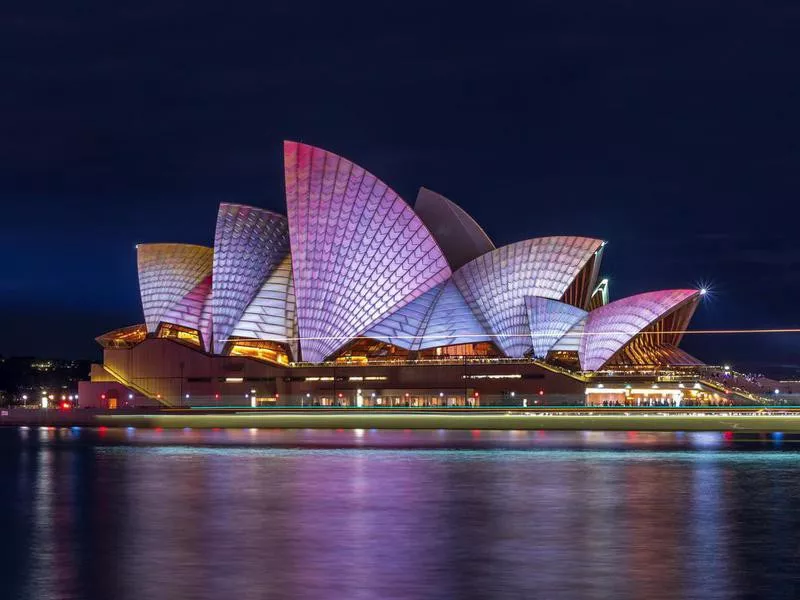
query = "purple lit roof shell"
{"x": 271, "y": 313}
{"x": 549, "y": 321}
{"x": 193, "y": 311}
{"x": 571, "y": 340}
{"x": 168, "y": 273}
{"x": 496, "y": 284}
{"x": 451, "y": 322}
{"x": 459, "y": 236}
{"x": 610, "y": 327}
{"x": 403, "y": 327}
{"x": 440, "y": 317}
{"x": 249, "y": 244}
{"x": 358, "y": 250}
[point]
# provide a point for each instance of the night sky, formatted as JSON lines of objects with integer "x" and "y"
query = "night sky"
{"x": 669, "y": 129}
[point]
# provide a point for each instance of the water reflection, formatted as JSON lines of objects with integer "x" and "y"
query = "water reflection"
{"x": 404, "y": 514}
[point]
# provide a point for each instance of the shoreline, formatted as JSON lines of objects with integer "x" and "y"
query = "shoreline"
{"x": 739, "y": 419}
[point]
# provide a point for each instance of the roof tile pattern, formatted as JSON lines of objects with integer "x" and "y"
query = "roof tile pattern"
{"x": 168, "y": 273}
{"x": 496, "y": 284}
{"x": 189, "y": 311}
{"x": 358, "y": 250}
{"x": 270, "y": 315}
{"x": 249, "y": 244}
{"x": 404, "y": 326}
{"x": 549, "y": 321}
{"x": 610, "y": 327}
{"x": 451, "y": 322}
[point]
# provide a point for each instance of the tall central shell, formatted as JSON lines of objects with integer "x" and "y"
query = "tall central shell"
{"x": 358, "y": 250}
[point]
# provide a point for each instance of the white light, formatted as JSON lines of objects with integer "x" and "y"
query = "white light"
{"x": 24, "y": 396}
{"x": 44, "y": 402}
{"x": 513, "y": 394}
{"x": 777, "y": 391}
{"x": 703, "y": 291}
{"x": 727, "y": 367}
{"x": 187, "y": 395}
{"x": 130, "y": 396}
{"x": 252, "y": 391}
{"x": 308, "y": 395}
{"x": 600, "y": 385}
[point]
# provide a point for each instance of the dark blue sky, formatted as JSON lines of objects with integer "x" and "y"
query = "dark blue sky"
{"x": 670, "y": 129}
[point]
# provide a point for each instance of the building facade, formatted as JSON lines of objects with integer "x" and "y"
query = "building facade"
{"x": 356, "y": 298}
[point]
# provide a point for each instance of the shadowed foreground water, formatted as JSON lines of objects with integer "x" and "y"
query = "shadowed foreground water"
{"x": 144, "y": 515}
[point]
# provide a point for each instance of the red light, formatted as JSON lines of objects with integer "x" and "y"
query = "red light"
{"x": 277, "y": 395}
{"x": 476, "y": 394}
{"x": 102, "y": 396}
{"x": 65, "y": 405}
{"x": 216, "y": 396}
{"x": 340, "y": 395}
{"x": 541, "y": 392}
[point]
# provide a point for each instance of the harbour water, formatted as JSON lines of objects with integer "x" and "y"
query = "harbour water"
{"x": 240, "y": 514}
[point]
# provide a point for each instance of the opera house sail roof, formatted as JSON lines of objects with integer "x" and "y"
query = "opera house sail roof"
{"x": 353, "y": 270}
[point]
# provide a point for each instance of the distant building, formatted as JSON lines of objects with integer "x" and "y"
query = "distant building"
{"x": 26, "y": 380}
{"x": 355, "y": 298}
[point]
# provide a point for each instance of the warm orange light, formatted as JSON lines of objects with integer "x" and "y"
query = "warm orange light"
{"x": 260, "y": 351}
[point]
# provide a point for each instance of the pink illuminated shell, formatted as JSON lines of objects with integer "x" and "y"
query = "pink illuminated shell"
{"x": 610, "y": 327}
{"x": 358, "y": 250}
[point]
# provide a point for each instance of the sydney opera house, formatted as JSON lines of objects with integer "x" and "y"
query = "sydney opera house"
{"x": 355, "y": 298}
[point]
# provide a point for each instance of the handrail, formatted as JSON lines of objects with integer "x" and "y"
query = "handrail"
{"x": 135, "y": 386}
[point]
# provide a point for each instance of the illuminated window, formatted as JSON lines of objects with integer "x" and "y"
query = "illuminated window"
{"x": 260, "y": 350}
